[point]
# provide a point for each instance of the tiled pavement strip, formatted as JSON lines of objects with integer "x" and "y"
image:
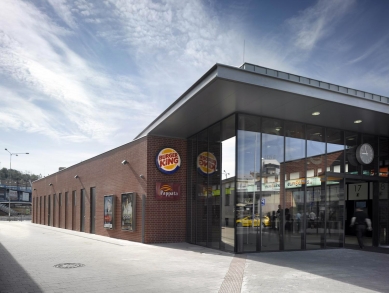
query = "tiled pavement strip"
{"x": 28, "y": 253}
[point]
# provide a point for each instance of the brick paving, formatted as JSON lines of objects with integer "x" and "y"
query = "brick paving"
{"x": 29, "y": 252}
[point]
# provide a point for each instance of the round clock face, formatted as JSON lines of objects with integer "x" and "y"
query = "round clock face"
{"x": 365, "y": 154}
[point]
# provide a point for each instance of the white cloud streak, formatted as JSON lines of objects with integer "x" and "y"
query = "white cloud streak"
{"x": 34, "y": 55}
{"x": 316, "y": 23}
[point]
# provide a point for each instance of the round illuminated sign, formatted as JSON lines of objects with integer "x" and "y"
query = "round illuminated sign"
{"x": 206, "y": 163}
{"x": 168, "y": 161}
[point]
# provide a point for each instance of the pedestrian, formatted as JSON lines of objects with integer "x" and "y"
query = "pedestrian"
{"x": 298, "y": 220}
{"x": 312, "y": 218}
{"x": 360, "y": 220}
{"x": 288, "y": 226}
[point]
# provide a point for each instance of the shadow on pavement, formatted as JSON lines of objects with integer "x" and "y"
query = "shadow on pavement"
{"x": 368, "y": 248}
{"x": 193, "y": 247}
{"x": 13, "y": 278}
{"x": 358, "y": 268}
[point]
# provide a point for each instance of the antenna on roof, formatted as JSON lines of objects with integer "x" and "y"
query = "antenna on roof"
{"x": 244, "y": 47}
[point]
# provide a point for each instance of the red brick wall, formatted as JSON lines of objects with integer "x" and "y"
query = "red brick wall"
{"x": 165, "y": 220}
{"x": 109, "y": 176}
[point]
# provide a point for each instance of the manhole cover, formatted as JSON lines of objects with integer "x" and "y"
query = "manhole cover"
{"x": 69, "y": 265}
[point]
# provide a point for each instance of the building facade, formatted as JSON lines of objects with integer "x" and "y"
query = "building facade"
{"x": 248, "y": 159}
{"x": 15, "y": 198}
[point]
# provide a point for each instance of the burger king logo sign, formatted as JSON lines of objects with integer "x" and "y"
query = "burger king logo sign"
{"x": 168, "y": 161}
{"x": 206, "y": 163}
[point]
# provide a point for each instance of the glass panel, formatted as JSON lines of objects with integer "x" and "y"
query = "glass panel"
{"x": 273, "y": 178}
{"x": 372, "y": 168}
{"x": 316, "y": 167}
{"x": 314, "y": 207}
{"x": 248, "y": 191}
{"x": 202, "y": 190}
{"x": 383, "y": 214}
{"x": 335, "y": 150}
{"x": 214, "y": 182}
{"x": 192, "y": 183}
{"x": 228, "y": 184}
{"x": 294, "y": 183}
{"x": 249, "y": 161}
{"x": 334, "y": 212}
{"x": 352, "y": 141}
{"x": 383, "y": 157}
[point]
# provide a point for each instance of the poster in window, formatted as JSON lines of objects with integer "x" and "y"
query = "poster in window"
{"x": 128, "y": 211}
{"x": 108, "y": 211}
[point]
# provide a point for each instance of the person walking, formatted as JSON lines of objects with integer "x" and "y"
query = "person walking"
{"x": 360, "y": 220}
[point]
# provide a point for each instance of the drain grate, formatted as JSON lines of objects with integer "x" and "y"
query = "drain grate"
{"x": 69, "y": 265}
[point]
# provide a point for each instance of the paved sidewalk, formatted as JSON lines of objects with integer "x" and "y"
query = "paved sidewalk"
{"x": 29, "y": 252}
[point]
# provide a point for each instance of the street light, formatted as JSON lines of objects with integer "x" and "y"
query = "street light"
{"x": 10, "y": 177}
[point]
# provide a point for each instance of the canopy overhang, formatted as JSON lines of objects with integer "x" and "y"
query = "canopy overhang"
{"x": 225, "y": 90}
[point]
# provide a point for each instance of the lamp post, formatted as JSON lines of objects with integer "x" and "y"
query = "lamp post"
{"x": 10, "y": 177}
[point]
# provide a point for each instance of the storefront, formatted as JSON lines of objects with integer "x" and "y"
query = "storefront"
{"x": 248, "y": 159}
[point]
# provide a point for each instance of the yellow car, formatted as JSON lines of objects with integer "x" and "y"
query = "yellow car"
{"x": 248, "y": 222}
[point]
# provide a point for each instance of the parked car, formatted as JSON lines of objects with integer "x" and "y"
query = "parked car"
{"x": 248, "y": 221}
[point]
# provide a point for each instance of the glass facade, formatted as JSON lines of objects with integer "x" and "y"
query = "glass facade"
{"x": 264, "y": 184}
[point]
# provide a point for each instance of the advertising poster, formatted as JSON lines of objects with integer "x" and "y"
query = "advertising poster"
{"x": 26, "y": 196}
{"x": 128, "y": 211}
{"x": 167, "y": 191}
{"x": 108, "y": 211}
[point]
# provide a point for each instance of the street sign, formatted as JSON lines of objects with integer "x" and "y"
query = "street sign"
{"x": 263, "y": 201}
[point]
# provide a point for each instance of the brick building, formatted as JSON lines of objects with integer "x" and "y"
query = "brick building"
{"x": 247, "y": 159}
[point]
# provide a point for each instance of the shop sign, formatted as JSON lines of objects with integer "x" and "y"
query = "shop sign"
{"x": 168, "y": 161}
{"x": 358, "y": 191}
{"x": 167, "y": 191}
{"x": 206, "y": 163}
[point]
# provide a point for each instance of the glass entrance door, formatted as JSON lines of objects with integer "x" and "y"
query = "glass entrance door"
{"x": 359, "y": 196}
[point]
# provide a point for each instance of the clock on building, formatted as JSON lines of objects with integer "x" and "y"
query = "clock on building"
{"x": 365, "y": 154}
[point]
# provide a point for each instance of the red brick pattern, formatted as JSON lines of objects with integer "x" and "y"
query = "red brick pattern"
{"x": 165, "y": 221}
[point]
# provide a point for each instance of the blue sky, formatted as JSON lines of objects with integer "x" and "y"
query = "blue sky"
{"x": 78, "y": 78}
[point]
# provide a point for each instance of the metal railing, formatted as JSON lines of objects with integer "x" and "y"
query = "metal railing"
{"x": 16, "y": 218}
{"x": 314, "y": 83}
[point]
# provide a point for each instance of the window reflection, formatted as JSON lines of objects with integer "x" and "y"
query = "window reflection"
{"x": 335, "y": 149}
{"x": 294, "y": 184}
{"x": 285, "y": 194}
{"x": 273, "y": 178}
{"x": 352, "y": 140}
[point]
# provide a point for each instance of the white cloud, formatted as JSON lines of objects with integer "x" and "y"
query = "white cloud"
{"x": 35, "y": 55}
{"x": 63, "y": 10}
{"x": 317, "y": 22}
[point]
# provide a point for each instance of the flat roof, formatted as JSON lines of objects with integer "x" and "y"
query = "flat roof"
{"x": 251, "y": 89}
